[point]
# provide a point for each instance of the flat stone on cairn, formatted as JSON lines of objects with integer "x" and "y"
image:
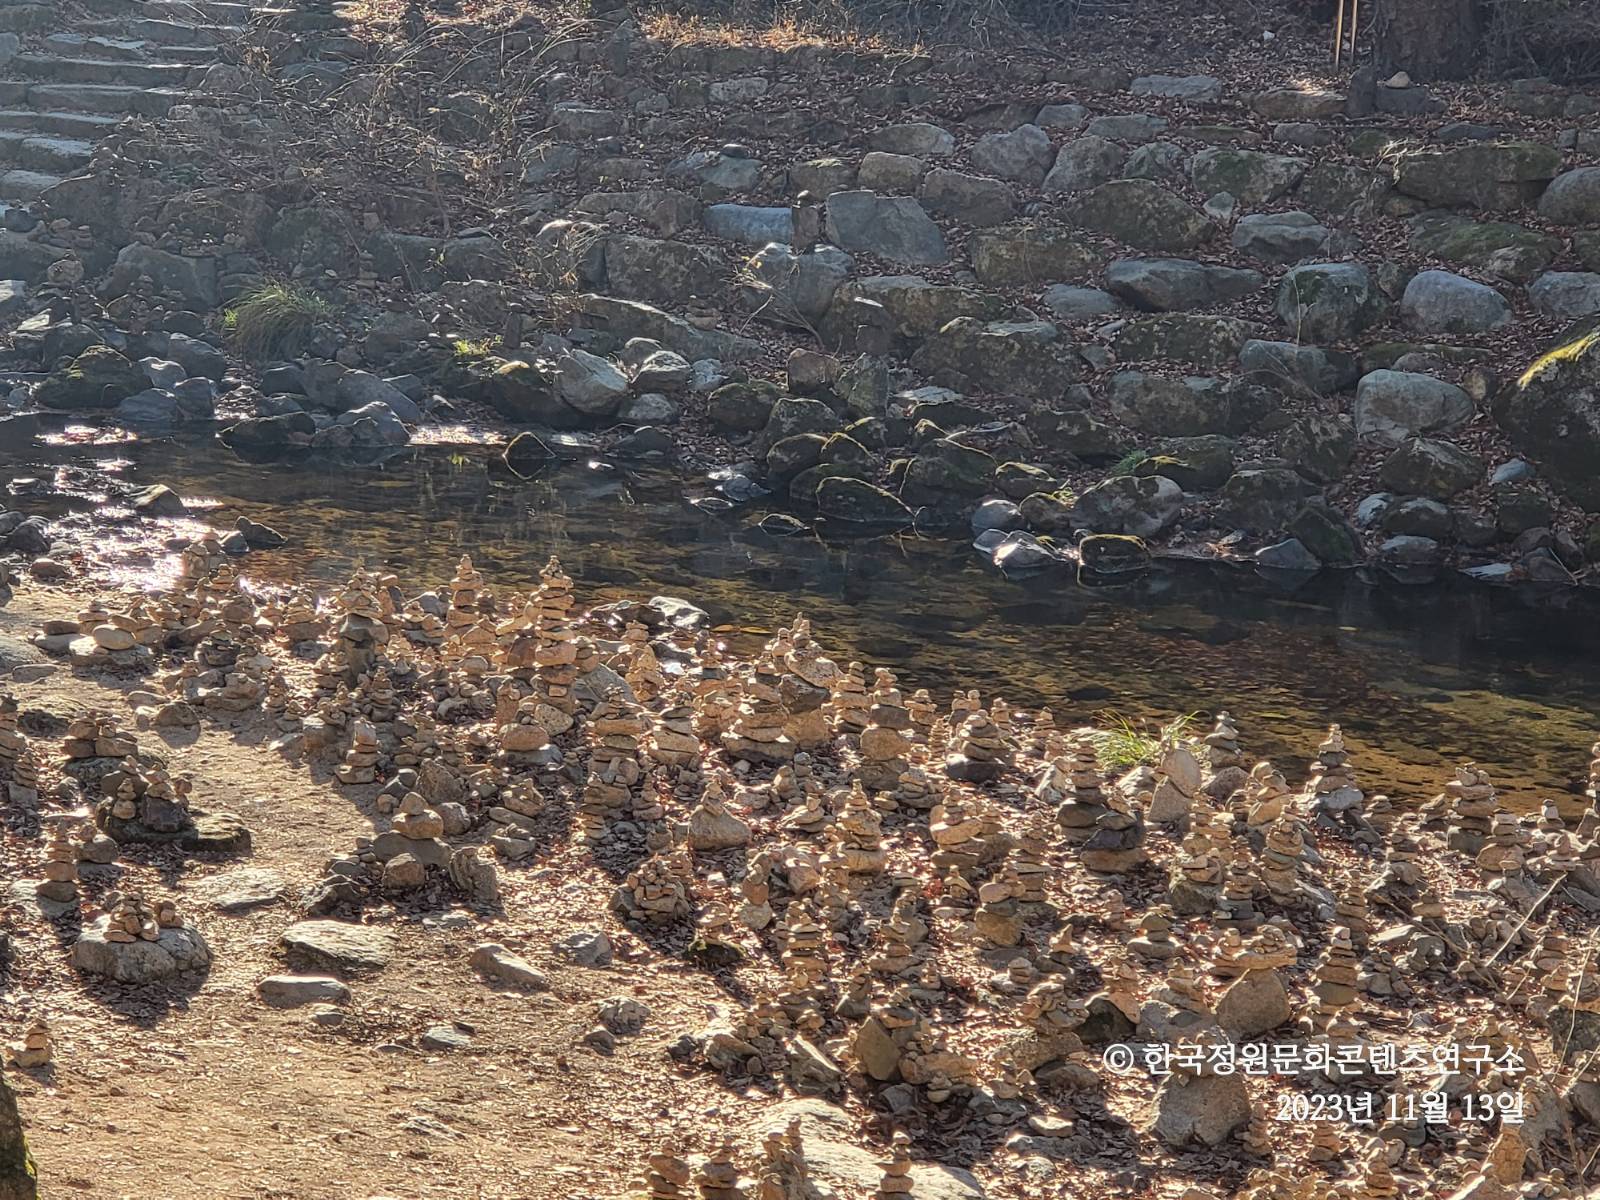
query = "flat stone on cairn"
{"x": 1116, "y": 846}
{"x": 1155, "y": 936}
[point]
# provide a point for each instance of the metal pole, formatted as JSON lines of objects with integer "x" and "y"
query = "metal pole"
{"x": 1338, "y": 31}
{"x": 1355, "y": 8}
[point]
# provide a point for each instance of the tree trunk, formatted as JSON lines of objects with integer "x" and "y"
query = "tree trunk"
{"x": 17, "y": 1178}
{"x": 1427, "y": 39}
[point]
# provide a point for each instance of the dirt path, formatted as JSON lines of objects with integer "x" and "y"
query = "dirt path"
{"x": 167, "y": 1095}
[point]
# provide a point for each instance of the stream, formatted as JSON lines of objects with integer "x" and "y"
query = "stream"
{"x": 1419, "y": 678}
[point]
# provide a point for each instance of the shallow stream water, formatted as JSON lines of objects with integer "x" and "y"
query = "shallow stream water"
{"x": 1420, "y": 678}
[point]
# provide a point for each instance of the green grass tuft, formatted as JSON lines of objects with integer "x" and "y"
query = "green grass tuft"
{"x": 1126, "y": 464}
{"x": 469, "y": 351}
{"x": 1122, "y": 743}
{"x": 274, "y": 321}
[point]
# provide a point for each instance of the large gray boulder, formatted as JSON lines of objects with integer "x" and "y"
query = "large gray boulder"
{"x": 1392, "y": 406}
{"x": 892, "y": 227}
{"x": 1573, "y": 198}
{"x": 1553, "y": 414}
{"x": 1126, "y": 504}
{"x": 194, "y": 279}
{"x": 138, "y": 962}
{"x": 1287, "y": 237}
{"x": 1019, "y": 358}
{"x": 1027, "y": 253}
{"x": 1328, "y": 302}
{"x": 1202, "y": 1110}
{"x": 1300, "y": 367}
{"x": 1511, "y": 252}
{"x": 1495, "y": 176}
{"x": 337, "y": 946}
{"x": 1441, "y": 302}
{"x": 1250, "y": 176}
{"x": 1566, "y": 295}
{"x": 1167, "y": 284}
{"x": 1084, "y": 163}
{"x": 1025, "y": 154}
{"x": 797, "y": 286}
{"x": 1143, "y": 215}
{"x": 1170, "y": 407}
{"x": 1432, "y": 468}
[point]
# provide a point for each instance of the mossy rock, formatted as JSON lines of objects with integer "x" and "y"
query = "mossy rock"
{"x": 1511, "y": 252}
{"x": 1323, "y": 530}
{"x": 525, "y": 392}
{"x": 742, "y": 407}
{"x": 97, "y": 378}
{"x": 1026, "y": 254}
{"x": 1143, "y": 215}
{"x": 947, "y": 466}
{"x": 1431, "y": 467}
{"x": 1193, "y": 339}
{"x": 1249, "y": 175}
{"x": 1113, "y": 554}
{"x": 1018, "y": 481}
{"x": 1196, "y": 464}
{"x": 858, "y": 502}
{"x": 795, "y": 454}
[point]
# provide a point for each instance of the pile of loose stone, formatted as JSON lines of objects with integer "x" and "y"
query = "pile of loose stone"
{"x": 949, "y": 913}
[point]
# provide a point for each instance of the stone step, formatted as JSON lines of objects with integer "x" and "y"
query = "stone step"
{"x": 97, "y": 70}
{"x": 222, "y": 12}
{"x": 41, "y": 152}
{"x": 25, "y": 185}
{"x": 101, "y": 98}
{"x": 96, "y": 46}
{"x": 92, "y": 126}
{"x": 162, "y": 32}
{"x": 123, "y": 49}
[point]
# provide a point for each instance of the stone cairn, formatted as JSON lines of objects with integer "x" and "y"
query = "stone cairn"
{"x": 1470, "y": 801}
{"x": 896, "y": 1182}
{"x": 718, "y": 1176}
{"x": 884, "y": 743}
{"x": 60, "y": 883}
{"x": 1074, "y": 783}
{"x": 36, "y": 1049}
{"x": 1333, "y": 797}
{"x": 1225, "y": 771}
{"x": 1589, "y": 823}
{"x": 360, "y": 764}
{"x": 133, "y": 919}
{"x": 981, "y": 751}
{"x": 1336, "y": 975}
{"x": 666, "y": 1177}
{"x": 849, "y": 706}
